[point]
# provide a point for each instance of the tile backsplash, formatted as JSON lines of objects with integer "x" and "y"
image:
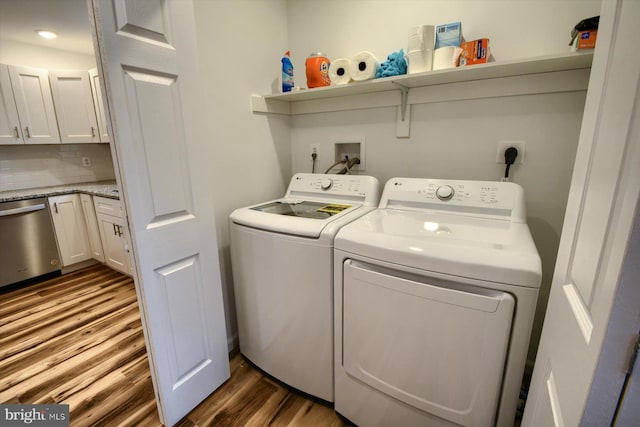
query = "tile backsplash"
{"x": 31, "y": 166}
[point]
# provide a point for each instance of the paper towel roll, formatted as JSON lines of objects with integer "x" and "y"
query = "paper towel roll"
{"x": 420, "y": 61}
{"x": 421, "y": 38}
{"x": 340, "y": 71}
{"x": 363, "y": 66}
{"x": 446, "y": 57}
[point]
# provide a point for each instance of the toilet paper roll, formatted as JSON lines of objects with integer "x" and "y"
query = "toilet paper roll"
{"x": 363, "y": 66}
{"x": 421, "y": 37}
{"x": 340, "y": 71}
{"x": 446, "y": 57}
{"x": 420, "y": 61}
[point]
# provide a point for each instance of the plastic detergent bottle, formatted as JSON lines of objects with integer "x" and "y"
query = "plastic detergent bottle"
{"x": 287, "y": 73}
{"x": 317, "y": 67}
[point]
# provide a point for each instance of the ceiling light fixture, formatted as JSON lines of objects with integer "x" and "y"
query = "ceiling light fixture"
{"x": 47, "y": 34}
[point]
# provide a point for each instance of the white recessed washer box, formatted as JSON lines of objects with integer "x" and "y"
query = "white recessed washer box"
{"x": 352, "y": 146}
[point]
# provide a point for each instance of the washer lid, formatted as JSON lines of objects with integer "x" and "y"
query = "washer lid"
{"x": 298, "y": 218}
{"x": 305, "y": 209}
{"x": 313, "y": 204}
{"x": 480, "y": 248}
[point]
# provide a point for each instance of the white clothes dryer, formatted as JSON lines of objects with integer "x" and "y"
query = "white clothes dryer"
{"x": 435, "y": 294}
{"x": 282, "y": 259}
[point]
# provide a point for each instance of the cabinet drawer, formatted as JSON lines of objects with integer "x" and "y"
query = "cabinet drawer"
{"x": 108, "y": 206}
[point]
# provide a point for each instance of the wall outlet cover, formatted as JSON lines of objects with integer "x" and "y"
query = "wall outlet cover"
{"x": 502, "y": 147}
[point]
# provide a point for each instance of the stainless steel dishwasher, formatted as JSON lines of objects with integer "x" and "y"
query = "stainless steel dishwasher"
{"x": 27, "y": 244}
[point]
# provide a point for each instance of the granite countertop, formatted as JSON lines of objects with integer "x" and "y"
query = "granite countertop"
{"x": 102, "y": 188}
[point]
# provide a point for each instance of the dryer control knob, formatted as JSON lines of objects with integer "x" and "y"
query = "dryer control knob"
{"x": 444, "y": 192}
{"x": 326, "y": 183}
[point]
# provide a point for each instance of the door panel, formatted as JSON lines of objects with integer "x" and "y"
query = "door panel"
{"x": 161, "y": 131}
{"x": 74, "y": 106}
{"x": 35, "y": 105}
{"x": 113, "y": 242}
{"x": 93, "y": 230}
{"x": 144, "y": 20}
{"x": 10, "y": 130}
{"x": 600, "y": 211}
{"x": 71, "y": 232}
{"x": 99, "y": 104}
{"x": 161, "y": 150}
{"x": 191, "y": 355}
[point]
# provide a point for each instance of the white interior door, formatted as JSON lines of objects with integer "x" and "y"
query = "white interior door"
{"x": 600, "y": 213}
{"x": 147, "y": 57}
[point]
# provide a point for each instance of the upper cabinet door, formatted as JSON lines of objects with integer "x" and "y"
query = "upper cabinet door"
{"x": 98, "y": 102}
{"x": 74, "y": 106}
{"x": 35, "y": 106}
{"x": 10, "y": 132}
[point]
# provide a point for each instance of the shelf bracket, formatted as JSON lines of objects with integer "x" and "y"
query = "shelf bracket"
{"x": 259, "y": 104}
{"x": 403, "y": 121}
{"x": 404, "y": 96}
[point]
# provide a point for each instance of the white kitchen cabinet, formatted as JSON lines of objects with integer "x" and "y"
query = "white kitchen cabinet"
{"x": 34, "y": 104}
{"x": 9, "y": 124}
{"x": 99, "y": 104}
{"x": 74, "y": 107}
{"x": 93, "y": 231}
{"x": 69, "y": 225}
{"x": 113, "y": 233}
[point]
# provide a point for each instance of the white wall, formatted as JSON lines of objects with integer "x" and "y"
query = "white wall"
{"x": 17, "y": 53}
{"x": 240, "y": 43}
{"x": 454, "y": 139}
{"x": 515, "y": 28}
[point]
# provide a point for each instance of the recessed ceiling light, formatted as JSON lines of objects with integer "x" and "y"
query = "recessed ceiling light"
{"x": 47, "y": 34}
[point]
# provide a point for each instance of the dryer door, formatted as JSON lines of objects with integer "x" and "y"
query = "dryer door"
{"x": 438, "y": 346}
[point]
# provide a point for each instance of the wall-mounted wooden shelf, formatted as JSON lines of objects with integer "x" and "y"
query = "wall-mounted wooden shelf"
{"x": 499, "y": 79}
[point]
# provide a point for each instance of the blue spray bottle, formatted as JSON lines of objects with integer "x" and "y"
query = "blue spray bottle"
{"x": 287, "y": 73}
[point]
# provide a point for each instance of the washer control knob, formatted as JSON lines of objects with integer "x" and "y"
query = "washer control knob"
{"x": 445, "y": 192}
{"x": 326, "y": 183}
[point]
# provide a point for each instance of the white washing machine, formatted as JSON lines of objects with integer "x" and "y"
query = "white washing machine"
{"x": 282, "y": 258}
{"x": 435, "y": 294}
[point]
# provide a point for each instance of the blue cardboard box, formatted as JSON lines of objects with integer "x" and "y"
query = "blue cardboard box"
{"x": 449, "y": 34}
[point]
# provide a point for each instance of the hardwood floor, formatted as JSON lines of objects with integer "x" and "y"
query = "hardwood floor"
{"x": 77, "y": 339}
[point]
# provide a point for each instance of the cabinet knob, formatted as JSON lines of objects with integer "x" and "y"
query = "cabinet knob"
{"x": 93, "y": 132}
{"x": 26, "y": 131}
{"x": 16, "y": 132}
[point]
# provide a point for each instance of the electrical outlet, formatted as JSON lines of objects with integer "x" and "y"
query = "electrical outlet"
{"x": 315, "y": 149}
{"x": 502, "y": 147}
{"x": 86, "y": 161}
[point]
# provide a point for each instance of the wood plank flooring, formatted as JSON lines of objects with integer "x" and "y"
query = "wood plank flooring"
{"x": 77, "y": 339}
